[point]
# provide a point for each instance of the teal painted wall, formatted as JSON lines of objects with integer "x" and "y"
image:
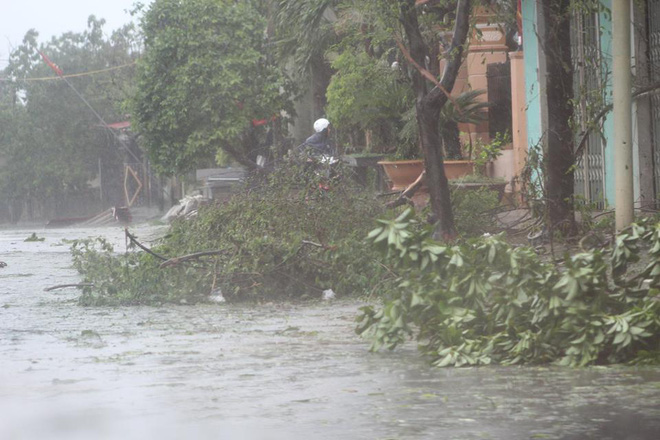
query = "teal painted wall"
{"x": 535, "y": 129}
{"x": 533, "y": 92}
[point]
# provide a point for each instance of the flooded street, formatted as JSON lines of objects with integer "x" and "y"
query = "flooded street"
{"x": 265, "y": 372}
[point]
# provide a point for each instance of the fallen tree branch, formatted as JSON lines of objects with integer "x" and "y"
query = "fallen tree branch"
{"x": 62, "y": 286}
{"x": 177, "y": 260}
{"x": 387, "y": 194}
{"x": 405, "y": 196}
{"x": 141, "y": 246}
{"x": 319, "y": 245}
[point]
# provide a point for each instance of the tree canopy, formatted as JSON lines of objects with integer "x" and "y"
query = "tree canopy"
{"x": 206, "y": 75}
{"x": 52, "y": 142}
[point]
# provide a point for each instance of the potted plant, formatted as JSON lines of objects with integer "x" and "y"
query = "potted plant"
{"x": 406, "y": 167}
{"x": 402, "y": 173}
{"x": 485, "y": 155}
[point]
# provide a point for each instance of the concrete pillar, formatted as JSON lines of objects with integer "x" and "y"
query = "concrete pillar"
{"x": 519, "y": 116}
{"x": 622, "y": 99}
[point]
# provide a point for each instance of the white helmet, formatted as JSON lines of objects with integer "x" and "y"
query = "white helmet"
{"x": 321, "y": 124}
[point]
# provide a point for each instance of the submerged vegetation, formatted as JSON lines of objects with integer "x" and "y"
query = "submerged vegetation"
{"x": 34, "y": 237}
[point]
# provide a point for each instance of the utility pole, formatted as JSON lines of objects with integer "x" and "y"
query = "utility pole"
{"x": 622, "y": 100}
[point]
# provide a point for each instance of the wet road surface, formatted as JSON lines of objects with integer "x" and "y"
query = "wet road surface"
{"x": 265, "y": 372}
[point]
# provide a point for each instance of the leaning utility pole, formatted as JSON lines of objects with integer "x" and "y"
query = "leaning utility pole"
{"x": 622, "y": 100}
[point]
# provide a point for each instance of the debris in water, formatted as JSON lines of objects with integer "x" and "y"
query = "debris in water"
{"x": 216, "y": 296}
{"x": 187, "y": 208}
{"x": 34, "y": 237}
{"x": 328, "y": 294}
{"x": 62, "y": 286}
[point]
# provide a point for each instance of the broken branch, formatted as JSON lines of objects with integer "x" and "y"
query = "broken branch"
{"x": 141, "y": 246}
{"x": 651, "y": 88}
{"x": 62, "y": 286}
{"x": 408, "y": 192}
{"x": 177, "y": 260}
{"x": 319, "y": 245}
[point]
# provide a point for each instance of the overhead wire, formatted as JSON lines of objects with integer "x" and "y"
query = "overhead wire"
{"x": 60, "y": 75}
{"x": 71, "y": 75}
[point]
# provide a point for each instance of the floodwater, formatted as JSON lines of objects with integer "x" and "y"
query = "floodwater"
{"x": 266, "y": 372}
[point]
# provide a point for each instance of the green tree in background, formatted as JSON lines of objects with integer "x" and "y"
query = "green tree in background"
{"x": 305, "y": 31}
{"x": 367, "y": 94}
{"x": 52, "y": 142}
{"x": 205, "y": 76}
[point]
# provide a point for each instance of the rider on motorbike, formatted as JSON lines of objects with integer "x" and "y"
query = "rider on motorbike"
{"x": 319, "y": 144}
{"x": 319, "y": 152}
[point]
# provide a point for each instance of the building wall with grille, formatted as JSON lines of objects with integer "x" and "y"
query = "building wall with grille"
{"x": 591, "y": 38}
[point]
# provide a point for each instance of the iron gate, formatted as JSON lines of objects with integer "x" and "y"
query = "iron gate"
{"x": 654, "y": 67}
{"x": 589, "y": 94}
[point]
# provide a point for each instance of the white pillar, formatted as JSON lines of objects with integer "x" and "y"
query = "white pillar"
{"x": 622, "y": 99}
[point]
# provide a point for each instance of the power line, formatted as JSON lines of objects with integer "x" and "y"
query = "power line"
{"x": 72, "y": 75}
{"x": 61, "y": 75}
{"x": 100, "y": 118}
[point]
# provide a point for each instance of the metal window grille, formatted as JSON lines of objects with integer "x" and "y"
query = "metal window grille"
{"x": 589, "y": 90}
{"x": 654, "y": 64}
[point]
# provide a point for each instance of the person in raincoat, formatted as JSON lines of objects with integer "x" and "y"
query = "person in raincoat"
{"x": 319, "y": 144}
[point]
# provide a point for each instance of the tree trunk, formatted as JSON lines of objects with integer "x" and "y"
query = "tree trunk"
{"x": 427, "y": 119}
{"x": 560, "y": 141}
{"x": 429, "y": 104}
{"x": 452, "y": 141}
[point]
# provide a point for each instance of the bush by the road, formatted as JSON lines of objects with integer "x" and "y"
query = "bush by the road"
{"x": 485, "y": 301}
{"x": 290, "y": 233}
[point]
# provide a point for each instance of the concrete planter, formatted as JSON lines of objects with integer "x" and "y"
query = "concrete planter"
{"x": 455, "y": 169}
{"x": 402, "y": 173}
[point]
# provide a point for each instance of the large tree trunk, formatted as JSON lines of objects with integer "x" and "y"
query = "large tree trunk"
{"x": 429, "y": 104}
{"x": 559, "y": 139}
{"x": 427, "y": 119}
{"x": 451, "y": 138}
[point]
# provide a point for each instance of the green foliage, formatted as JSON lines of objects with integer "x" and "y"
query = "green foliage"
{"x": 51, "y": 142}
{"x": 465, "y": 108}
{"x": 590, "y": 6}
{"x": 281, "y": 237}
{"x": 366, "y": 93}
{"x": 484, "y": 301}
{"x": 205, "y": 75}
{"x": 474, "y": 210}
{"x": 488, "y": 152}
{"x": 305, "y": 32}
{"x": 369, "y": 91}
{"x": 132, "y": 278}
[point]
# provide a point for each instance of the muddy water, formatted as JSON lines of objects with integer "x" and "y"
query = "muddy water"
{"x": 268, "y": 372}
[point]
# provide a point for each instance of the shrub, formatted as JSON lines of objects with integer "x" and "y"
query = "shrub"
{"x": 485, "y": 301}
{"x": 474, "y": 211}
{"x": 282, "y": 236}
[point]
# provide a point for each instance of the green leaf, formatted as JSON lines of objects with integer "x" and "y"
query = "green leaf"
{"x": 619, "y": 338}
